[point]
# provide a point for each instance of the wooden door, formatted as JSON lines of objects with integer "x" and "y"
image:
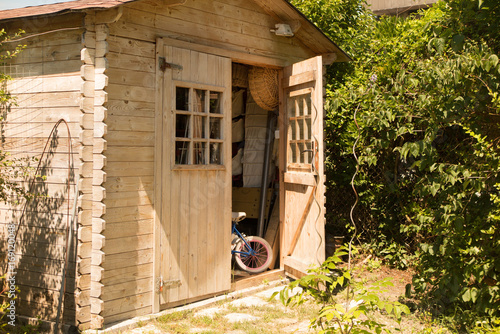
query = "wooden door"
{"x": 301, "y": 164}
{"x": 193, "y": 175}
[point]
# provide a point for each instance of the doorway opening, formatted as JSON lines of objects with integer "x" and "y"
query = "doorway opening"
{"x": 255, "y": 154}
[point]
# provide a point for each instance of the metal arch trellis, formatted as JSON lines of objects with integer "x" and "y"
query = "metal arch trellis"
{"x": 69, "y": 218}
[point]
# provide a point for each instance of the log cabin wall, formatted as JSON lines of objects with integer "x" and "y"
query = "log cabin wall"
{"x": 48, "y": 85}
{"x": 239, "y": 28}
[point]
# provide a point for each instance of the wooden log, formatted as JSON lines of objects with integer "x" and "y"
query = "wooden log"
{"x": 128, "y": 289}
{"x": 127, "y": 315}
{"x": 127, "y": 274}
{"x": 130, "y": 93}
{"x": 130, "y": 108}
{"x": 131, "y": 124}
{"x": 131, "y": 154}
{"x": 122, "y": 245}
{"x": 45, "y": 84}
{"x": 129, "y": 183}
{"x": 132, "y": 258}
{"x": 128, "y": 229}
{"x": 132, "y": 62}
{"x": 114, "y": 215}
{"x": 132, "y": 47}
{"x": 126, "y": 304}
{"x": 130, "y": 138}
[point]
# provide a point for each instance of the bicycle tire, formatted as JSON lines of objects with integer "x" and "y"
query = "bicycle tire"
{"x": 257, "y": 263}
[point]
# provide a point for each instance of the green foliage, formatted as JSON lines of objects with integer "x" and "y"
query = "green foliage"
{"x": 10, "y": 170}
{"x": 349, "y": 315}
{"x": 424, "y": 90}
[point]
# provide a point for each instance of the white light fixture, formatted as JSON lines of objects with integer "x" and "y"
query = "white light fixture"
{"x": 283, "y": 29}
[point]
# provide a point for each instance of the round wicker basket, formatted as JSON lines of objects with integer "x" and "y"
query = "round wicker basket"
{"x": 263, "y": 84}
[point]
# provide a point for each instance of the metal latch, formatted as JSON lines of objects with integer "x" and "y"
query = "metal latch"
{"x": 164, "y": 65}
{"x": 161, "y": 284}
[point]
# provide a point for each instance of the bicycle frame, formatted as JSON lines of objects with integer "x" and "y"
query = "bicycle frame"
{"x": 250, "y": 252}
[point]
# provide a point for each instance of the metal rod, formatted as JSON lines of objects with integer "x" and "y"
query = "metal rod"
{"x": 265, "y": 172}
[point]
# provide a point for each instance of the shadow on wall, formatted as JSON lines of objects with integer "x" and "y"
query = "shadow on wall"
{"x": 45, "y": 250}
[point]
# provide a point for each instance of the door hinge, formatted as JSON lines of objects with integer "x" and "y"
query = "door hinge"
{"x": 161, "y": 284}
{"x": 162, "y": 62}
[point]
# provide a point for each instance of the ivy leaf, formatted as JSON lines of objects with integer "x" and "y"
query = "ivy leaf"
{"x": 457, "y": 43}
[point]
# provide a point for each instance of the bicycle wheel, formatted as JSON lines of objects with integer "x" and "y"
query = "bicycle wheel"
{"x": 258, "y": 262}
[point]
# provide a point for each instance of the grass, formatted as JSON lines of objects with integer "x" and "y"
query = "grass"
{"x": 271, "y": 318}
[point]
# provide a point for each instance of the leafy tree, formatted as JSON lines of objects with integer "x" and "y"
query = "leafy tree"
{"x": 424, "y": 90}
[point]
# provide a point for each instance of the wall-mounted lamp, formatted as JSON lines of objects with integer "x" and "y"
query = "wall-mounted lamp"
{"x": 283, "y": 29}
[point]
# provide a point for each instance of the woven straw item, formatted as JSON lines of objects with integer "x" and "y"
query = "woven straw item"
{"x": 263, "y": 83}
{"x": 240, "y": 75}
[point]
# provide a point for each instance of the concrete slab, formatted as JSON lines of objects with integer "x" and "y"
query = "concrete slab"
{"x": 240, "y": 317}
{"x": 248, "y": 302}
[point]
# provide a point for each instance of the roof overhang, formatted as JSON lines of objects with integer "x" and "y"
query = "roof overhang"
{"x": 281, "y": 10}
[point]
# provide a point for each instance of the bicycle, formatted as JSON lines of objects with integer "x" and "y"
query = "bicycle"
{"x": 251, "y": 253}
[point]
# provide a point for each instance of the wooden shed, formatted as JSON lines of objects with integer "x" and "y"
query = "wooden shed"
{"x": 153, "y": 93}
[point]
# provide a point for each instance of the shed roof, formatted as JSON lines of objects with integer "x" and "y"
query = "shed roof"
{"x": 282, "y": 10}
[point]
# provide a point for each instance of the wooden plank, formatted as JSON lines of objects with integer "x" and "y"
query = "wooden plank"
{"x": 38, "y": 265}
{"x": 132, "y": 47}
{"x": 195, "y": 224}
{"x": 129, "y": 138}
{"x": 46, "y": 68}
{"x": 301, "y": 222}
{"x": 122, "y": 245}
{"x": 129, "y": 183}
{"x": 130, "y": 154}
{"x": 128, "y": 198}
{"x": 130, "y": 108}
{"x": 127, "y": 315}
{"x": 131, "y": 124}
{"x": 127, "y": 289}
{"x": 131, "y": 77}
{"x": 306, "y": 179}
{"x": 44, "y": 84}
{"x": 130, "y": 93}
{"x": 34, "y": 145}
{"x": 185, "y": 229}
{"x": 294, "y": 267}
{"x": 127, "y": 214}
{"x": 43, "y": 311}
{"x": 54, "y": 39}
{"x": 49, "y": 53}
{"x": 135, "y": 63}
{"x": 299, "y": 79}
{"x": 132, "y": 258}
{"x": 256, "y": 280}
{"x": 49, "y": 100}
{"x": 127, "y": 274}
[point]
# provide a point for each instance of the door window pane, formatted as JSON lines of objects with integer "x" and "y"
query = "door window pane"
{"x": 215, "y": 128}
{"x": 182, "y": 98}
{"x": 182, "y": 153}
{"x": 215, "y": 102}
{"x": 199, "y": 153}
{"x": 198, "y": 126}
{"x": 199, "y": 100}
{"x": 215, "y": 153}
{"x": 182, "y": 126}
{"x": 300, "y": 129}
